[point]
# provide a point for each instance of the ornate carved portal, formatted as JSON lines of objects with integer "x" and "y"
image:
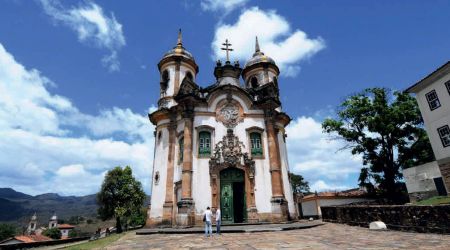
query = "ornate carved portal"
{"x": 228, "y": 154}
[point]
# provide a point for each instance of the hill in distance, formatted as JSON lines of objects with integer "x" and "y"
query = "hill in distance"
{"x": 17, "y": 208}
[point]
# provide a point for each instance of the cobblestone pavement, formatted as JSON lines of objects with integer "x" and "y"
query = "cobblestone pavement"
{"x": 328, "y": 236}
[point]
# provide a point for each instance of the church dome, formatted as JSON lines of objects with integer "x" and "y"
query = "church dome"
{"x": 179, "y": 50}
{"x": 179, "y": 53}
{"x": 259, "y": 57}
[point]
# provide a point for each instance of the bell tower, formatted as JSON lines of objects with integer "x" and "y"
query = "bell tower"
{"x": 260, "y": 70}
{"x": 175, "y": 65}
{"x": 32, "y": 225}
{"x": 53, "y": 222}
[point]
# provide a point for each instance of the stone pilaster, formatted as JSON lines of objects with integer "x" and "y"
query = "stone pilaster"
{"x": 186, "y": 207}
{"x": 177, "y": 77}
{"x": 168, "y": 203}
{"x": 279, "y": 203}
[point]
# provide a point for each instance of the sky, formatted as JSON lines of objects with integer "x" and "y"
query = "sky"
{"x": 78, "y": 78}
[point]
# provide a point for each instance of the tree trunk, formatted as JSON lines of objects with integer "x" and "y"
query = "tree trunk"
{"x": 118, "y": 225}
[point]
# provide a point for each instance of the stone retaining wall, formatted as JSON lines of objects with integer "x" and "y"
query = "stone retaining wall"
{"x": 433, "y": 219}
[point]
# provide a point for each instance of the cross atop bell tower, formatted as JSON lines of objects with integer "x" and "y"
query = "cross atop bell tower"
{"x": 227, "y": 49}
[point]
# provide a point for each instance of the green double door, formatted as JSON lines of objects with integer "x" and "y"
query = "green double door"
{"x": 232, "y": 196}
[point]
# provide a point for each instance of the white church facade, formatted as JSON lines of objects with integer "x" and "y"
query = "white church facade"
{"x": 222, "y": 146}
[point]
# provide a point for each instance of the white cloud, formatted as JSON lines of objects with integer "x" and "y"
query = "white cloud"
{"x": 92, "y": 27}
{"x": 320, "y": 185}
{"x": 275, "y": 36}
{"x": 221, "y": 5}
{"x": 65, "y": 175}
{"x": 319, "y": 159}
{"x": 48, "y": 145}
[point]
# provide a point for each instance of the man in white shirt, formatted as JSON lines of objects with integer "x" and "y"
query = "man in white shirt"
{"x": 218, "y": 221}
{"x": 207, "y": 219}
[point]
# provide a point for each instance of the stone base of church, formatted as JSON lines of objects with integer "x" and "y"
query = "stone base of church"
{"x": 153, "y": 222}
{"x": 252, "y": 215}
{"x": 167, "y": 213}
{"x": 186, "y": 213}
{"x": 279, "y": 209}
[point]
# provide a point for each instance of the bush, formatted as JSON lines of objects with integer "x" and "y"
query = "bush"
{"x": 89, "y": 221}
{"x": 74, "y": 233}
{"x": 53, "y": 233}
{"x": 7, "y": 231}
{"x": 138, "y": 218}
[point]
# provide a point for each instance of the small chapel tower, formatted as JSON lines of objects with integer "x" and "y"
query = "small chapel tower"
{"x": 32, "y": 224}
{"x": 53, "y": 222}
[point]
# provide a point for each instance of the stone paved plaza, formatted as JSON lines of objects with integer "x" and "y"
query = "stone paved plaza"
{"x": 328, "y": 236}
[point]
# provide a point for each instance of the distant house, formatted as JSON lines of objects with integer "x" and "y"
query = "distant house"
{"x": 433, "y": 97}
{"x": 424, "y": 181}
{"x": 65, "y": 230}
{"x": 309, "y": 205}
{"x": 25, "y": 239}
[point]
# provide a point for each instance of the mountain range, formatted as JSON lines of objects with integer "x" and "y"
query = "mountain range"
{"x": 17, "y": 207}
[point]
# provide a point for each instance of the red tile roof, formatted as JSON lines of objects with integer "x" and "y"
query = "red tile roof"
{"x": 351, "y": 193}
{"x": 65, "y": 226}
{"x": 32, "y": 238}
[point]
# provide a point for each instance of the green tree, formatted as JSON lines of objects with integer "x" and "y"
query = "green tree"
{"x": 299, "y": 185}
{"x": 53, "y": 233}
{"x": 139, "y": 218}
{"x": 7, "y": 231}
{"x": 387, "y": 130}
{"x": 120, "y": 197}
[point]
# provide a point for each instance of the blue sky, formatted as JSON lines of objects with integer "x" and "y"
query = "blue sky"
{"x": 77, "y": 78}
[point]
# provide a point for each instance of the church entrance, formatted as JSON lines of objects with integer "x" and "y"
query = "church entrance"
{"x": 232, "y": 195}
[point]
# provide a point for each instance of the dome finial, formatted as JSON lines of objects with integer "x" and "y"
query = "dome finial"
{"x": 257, "y": 45}
{"x": 179, "y": 42}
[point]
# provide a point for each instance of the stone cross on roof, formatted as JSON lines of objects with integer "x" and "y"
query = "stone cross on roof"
{"x": 227, "y": 49}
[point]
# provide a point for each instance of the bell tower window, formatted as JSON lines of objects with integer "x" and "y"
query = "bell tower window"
{"x": 254, "y": 82}
{"x": 164, "y": 82}
{"x": 189, "y": 76}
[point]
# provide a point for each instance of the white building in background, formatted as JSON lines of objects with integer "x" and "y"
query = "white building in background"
{"x": 219, "y": 146}
{"x": 424, "y": 181}
{"x": 433, "y": 97}
{"x": 310, "y": 205}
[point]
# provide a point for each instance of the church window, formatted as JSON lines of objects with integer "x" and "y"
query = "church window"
{"x": 159, "y": 136}
{"x": 164, "y": 82}
{"x": 447, "y": 84}
{"x": 433, "y": 100}
{"x": 189, "y": 76}
{"x": 156, "y": 177}
{"x": 256, "y": 145}
{"x": 181, "y": 149}
{"x": 204, "y": 145}
{"x": 275, "y": 81}
{"x": 254, "y": 82}
{"x": 444, "y": 134}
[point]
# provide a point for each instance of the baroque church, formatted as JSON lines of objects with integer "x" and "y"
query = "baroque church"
{"x": 222, "y": 146}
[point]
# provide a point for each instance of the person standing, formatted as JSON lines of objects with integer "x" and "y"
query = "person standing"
{"x": 207, "y": 219}
{"x": 218, "y": 221}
